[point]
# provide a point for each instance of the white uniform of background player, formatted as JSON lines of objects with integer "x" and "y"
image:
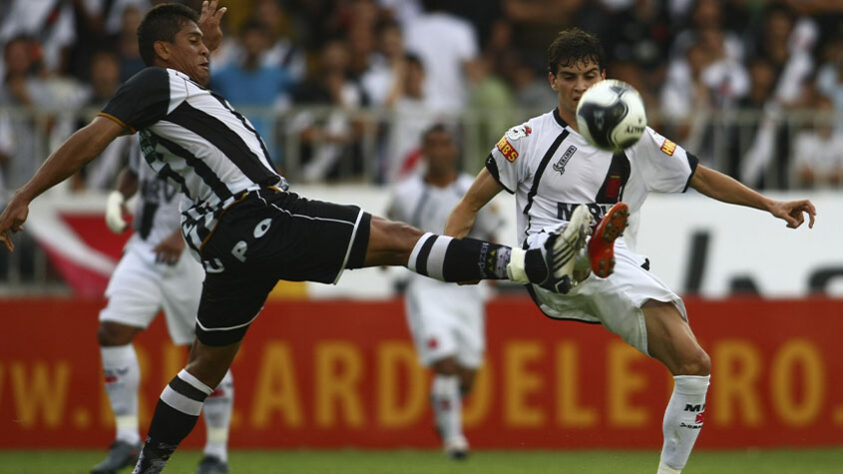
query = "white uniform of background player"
{"x": 447, "y": 321}
{"x": 552, "y": 169}
{"x": 154, "y": 274}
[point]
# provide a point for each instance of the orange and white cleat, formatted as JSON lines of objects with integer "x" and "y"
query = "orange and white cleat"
{"x": 601, "y": 247}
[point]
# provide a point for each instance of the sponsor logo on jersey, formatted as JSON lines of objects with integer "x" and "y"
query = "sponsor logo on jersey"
{"x": 519, "y": 131}
{"x": 564, "y": 210}
{"x": 507, "y": 150}
{"x": 668, "y": 147}
{"x": 560, "y": 165}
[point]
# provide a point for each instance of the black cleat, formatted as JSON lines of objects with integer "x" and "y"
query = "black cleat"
{"x": 121, "y": 454}
{"x": 212, "y": 465}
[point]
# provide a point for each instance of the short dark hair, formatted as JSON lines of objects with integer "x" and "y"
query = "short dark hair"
{"x": 437, "y": 127}
{"x": 572, "y": 46}
{"x": 161, "y": 23}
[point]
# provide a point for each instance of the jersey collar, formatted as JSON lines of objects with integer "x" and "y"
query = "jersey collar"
{"x": 562, "y": 123}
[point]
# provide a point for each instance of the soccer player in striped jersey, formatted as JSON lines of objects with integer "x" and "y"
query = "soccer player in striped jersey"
{"x": 552, "y": 170}
{"x": 447, "y": 321}
{"x": 154, "y": 274}
{"x": 242, "y": 223}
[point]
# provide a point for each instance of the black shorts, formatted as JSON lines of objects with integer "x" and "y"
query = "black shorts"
{"x": 269, "y": 236}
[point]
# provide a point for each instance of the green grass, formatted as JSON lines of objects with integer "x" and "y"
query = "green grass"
{"x": 813, "y": 461}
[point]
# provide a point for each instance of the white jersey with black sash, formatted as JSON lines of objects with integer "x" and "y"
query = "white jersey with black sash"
{"x": 195, "y": 139}
{"x": 157, "y": 213}
{"x": 551, "y": 169}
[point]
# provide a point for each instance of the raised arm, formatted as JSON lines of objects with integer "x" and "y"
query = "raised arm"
{"x": 83, "y": 146}
{"x": 209, "y": 22}
{"x": 482, "y": 190}
{"x": 726, "y": 189}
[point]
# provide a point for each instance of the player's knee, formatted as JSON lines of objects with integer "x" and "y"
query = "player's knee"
{"x": 115, "y": 334}
{"x": 446, "y": 366}
{"x": 697, "y": 364}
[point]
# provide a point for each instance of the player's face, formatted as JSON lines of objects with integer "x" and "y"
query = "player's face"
{"x": 570, "y": 83}
{"x": 188, "y": 54}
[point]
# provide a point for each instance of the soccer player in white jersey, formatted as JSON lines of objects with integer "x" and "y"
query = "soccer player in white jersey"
{"x": 447, "y": 321}
{"x": 242, "y": 223}
{"x": 551, "y": 169}
{"x": 154, "y": 274}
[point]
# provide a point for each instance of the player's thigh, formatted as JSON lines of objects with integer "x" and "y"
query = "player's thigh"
{"x": 288, "y": 237}
{"x": 671, "y": 340}
{"x": 133, "y": 293}
{"x": 182, "y": 289}
{"x": 229, "y": 304}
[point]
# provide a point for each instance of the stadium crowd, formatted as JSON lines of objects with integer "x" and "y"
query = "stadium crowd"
{"x": 727, "y": 77}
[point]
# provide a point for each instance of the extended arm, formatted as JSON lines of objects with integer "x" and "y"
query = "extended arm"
{"x": 461, "y": 220}
{"x": 83, "y": 146}
{"x": 723, "y": 188}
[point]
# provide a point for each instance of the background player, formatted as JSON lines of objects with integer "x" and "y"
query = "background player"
{"x": 154, "y": 274}
{"x": 244, "y": 226}
{"x": 447, "y": 321}
{"x": 552, "y": 170}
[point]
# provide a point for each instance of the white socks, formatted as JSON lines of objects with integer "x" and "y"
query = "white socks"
{"x": 122, "y": 379}
{"x": 217, "y": 410}
{"x": 447, "y": 405}
{"x": 683, "y": 420}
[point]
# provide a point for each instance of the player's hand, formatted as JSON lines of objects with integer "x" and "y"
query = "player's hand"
{"x": 793, "y": 212}
{"x": 209, "y": 23}
{"x": 170, "y": 249}
{"x": 12, "y": 220}
{"x": 115, "y": 207}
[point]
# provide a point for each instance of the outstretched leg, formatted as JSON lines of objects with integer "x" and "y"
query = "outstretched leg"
{"x": 671, "y": 341}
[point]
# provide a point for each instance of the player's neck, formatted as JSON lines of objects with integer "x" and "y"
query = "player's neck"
{"x": 440, "y": 179}
{"x": 567, "y": 116}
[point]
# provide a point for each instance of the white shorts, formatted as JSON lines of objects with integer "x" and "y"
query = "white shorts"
{"x": 615, "y": 302}
{"x": 139, "y": 288}
{"x": 446, "y": 319}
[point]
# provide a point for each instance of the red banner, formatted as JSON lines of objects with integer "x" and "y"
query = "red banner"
{"x": 334, "y": 374}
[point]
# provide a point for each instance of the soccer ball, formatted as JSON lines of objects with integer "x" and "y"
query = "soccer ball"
{"x": 611, "y": 115}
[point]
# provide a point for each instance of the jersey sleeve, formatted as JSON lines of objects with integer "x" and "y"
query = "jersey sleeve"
{"x": 665, "y": 166}
{"x": 140, "y": 101}
{"x": 503, "y": 162}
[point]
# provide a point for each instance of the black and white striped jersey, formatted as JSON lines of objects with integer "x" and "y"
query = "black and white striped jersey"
{"x": 195, "y": 139}
{"x": 551, "y": 169}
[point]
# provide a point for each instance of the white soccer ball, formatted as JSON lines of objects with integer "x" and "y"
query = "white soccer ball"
{"x": 611, "y": 115}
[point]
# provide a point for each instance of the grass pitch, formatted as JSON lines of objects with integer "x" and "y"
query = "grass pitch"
{"x": 813, "y": 461}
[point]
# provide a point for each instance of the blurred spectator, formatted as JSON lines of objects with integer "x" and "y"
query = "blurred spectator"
{"x": 707, "y": 15}
{"x": 762, "y": 138}
{"x": 386, "y": 65}
{"x": 330, "y": 140}
{"x": 787, "y": 42}
{"x": 411, "y": 114}
{"x": 283, "y": 51}
{"x": 127, "y": 43}
{"x": 402, "y": 11}
{"x": 491, "y": 100}
{"x": 445, "y": 43}
{"x": 252, "y": 83}
{"x": 51, "y": 22}
{"x": 101, "y": 173}
{"x": 22, "y": 147}
{"x": 530, "y": 85}
{"x": 818, "y": 149}
{"x": 830, "y": 78}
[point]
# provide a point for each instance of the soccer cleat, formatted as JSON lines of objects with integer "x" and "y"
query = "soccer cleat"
{"x": 121, "y": 454}
{"x": 561, "y": 249}
{"x": 601, "y": 247}
{"x": 212, "y": 465}
{"x": 457, "y": 448}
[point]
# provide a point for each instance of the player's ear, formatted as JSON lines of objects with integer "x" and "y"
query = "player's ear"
{"x": 551, "y": 78}
{"x": 603, "y": 74}
{"x": 162, "y": 49}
